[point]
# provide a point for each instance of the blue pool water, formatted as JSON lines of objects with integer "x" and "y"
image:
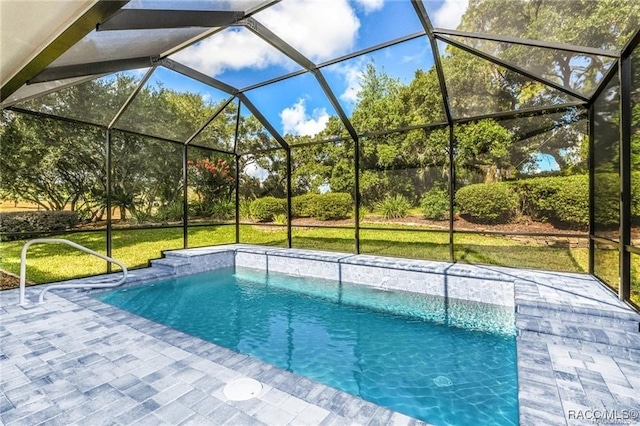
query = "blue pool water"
{"x": 445, "y": 362}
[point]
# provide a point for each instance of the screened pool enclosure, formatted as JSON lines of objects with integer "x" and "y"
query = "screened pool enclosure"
{"x": 494, "y": 132}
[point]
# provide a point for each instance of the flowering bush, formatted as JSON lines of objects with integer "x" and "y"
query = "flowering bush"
{"x": 212, "y": 182}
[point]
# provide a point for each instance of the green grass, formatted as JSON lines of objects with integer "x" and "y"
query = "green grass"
{"x": 635, "y": 278}
{"x": 134, "y": 247}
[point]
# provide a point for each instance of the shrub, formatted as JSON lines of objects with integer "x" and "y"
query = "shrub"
{"x": 301, "y": 205}
{"x": 266, "y": 208}
{"x": 142, "y": 216}
{"x": 170, "y": 212}
{"x": 561, "y": 200}
{"x": 280, "y": 219}
{"x": 570, "y": 205}
{"x": 487, "y": 202}
{"x": 363, "y": 213}
{"x": 33, "y": 223}
{"x": 435, "y": 204}
{"x": 331, "y": 206}
{"x": 607, "y": 192}
{"x": 394, "y": 207}
{"x": 223, "y": 210}
{"x": 245, "y": 209}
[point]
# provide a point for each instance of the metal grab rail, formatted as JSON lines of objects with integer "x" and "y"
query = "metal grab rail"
{"x": 23, "y": 268}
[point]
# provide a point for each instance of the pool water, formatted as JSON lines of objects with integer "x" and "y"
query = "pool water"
{"x": 445, "y": 362}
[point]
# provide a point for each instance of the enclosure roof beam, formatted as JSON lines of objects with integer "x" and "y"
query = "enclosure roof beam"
{"x": 549, "y": 128}
{"x": 274, "y": 80}
{"x": 511, "y": 67}
{"x": 428, "y": 28}
{"x": 260, "y": 7}
{"x": 131, "y": 97}
{"x": 148, "y": 19}
{"x": 521, "y": 113}
{"x": 69, "y": 37}
{"x": 209, "y": 120}
{"x": 264, "y": 33}
{"x": 529, "y": 42}
{"x": 626, "y": 50}
{"x": 336, "y": 105}
{"x": 372, "y": 49}
{"x": 251, "y": 11}
{"x": 103, "y": 67}
{"x": 198, "y": 76}
{"x": 10, "y": 102}
{"x": 261, "y": 118}
{"x": 267, "y": 35}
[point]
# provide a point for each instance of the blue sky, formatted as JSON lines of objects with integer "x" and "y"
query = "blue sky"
{"x": 321, "y": 30}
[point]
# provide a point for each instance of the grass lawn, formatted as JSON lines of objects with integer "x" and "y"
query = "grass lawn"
{"x": 53, "y": 262}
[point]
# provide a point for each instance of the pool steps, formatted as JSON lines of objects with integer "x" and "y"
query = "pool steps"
{"x": 623, "y": 322}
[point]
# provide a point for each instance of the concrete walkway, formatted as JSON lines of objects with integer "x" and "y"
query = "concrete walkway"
{"x": 75, "y": 360}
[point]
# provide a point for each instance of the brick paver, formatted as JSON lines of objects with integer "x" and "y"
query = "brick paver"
{"x": 75, "y": 360}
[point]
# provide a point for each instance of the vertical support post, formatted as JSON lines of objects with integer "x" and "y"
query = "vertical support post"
{"x": 452, "y": 188}
{"x": 289, "y": 192}
{"x": 108, "y": 190}
{"x": 624, "y": 290}
{"x": 237, "y": 183}
{"x": 235, "y": 151}
{"x": 356, "y": 192}
{"x": 592, "y": 174}
{"x": 185, "y": 197}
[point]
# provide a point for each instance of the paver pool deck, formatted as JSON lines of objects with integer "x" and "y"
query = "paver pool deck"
{"x": 76, "y": 360}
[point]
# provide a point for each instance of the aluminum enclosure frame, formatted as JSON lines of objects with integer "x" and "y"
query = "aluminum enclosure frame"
{"x": 37, "y": 71}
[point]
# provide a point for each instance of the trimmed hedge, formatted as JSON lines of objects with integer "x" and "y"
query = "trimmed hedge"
{"x": 35, "y": 222}
{"x": 301, "y": 205}
{"x": 265, "y": 209}
{"x": 561, "y": 200}
{"x": 487, "y": 202}
{"x": 331, "y": 206}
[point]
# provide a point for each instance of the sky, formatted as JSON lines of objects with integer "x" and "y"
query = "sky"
{"x": 321, "y": 30}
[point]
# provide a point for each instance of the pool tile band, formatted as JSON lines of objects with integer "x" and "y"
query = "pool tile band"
{"x": 463, "y": 282}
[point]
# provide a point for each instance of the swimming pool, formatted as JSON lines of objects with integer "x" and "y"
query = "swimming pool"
{"x": 440, "y": 360}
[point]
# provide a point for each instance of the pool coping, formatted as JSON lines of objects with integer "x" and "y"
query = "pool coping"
{"x": 550, "y": 366}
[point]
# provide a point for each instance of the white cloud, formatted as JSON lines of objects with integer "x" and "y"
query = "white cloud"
{"x": 231, "y": 50}
{"x": 450, "y": 13}
{"x": 255, "y": 171}
{"x": 295, "y": 119}
{"x": 320, "y": 29}
{"x": 370, "y": 5}
{"x": 352, "y": 74}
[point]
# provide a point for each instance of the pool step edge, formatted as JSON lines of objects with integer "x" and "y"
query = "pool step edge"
{"x": 627, "y": 321}
{"x": 587, "y": 331}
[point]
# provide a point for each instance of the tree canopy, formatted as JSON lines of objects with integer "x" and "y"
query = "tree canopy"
{"x": 57, "y": 164}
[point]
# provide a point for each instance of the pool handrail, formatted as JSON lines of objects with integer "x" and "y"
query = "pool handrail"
{"x": 23, "y": 269}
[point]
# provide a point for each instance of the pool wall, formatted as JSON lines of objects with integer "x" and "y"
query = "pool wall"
{"x": 461, "y": 282}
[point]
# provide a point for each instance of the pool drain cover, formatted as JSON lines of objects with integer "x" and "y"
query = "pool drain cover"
{"x": 242, "y": 389}
{"x": 442, "y": 382}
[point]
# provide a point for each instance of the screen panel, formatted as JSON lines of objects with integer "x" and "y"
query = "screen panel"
{"x": 171, "y": 106}
{"x": 263, "y": 201}
{"x": 606, "y": 156}
{"x": 147, "y": 186}
{"x": 322, "y": 203}
{"x": 607, "y": 263}
{"x": 565, "y": 254}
